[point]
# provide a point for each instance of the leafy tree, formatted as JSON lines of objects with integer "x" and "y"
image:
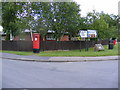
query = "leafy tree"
{"x": 61, "y": 17}
{"x": 9, "y": 18}
{"x": 43, "y": 19}
{"x": 102, "y": 27}
{"x": 66, "y": 16}
{"x": 105, "y": 24}
{"x": 112, "y": 21}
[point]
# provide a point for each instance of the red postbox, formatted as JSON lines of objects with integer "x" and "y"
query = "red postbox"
{"x": 115, "y": 42}
{"x": 36, "y": 42}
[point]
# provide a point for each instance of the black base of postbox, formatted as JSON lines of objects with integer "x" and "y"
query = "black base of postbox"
{"x": 36, "y": 50}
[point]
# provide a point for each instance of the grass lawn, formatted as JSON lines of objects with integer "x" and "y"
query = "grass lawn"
{"x": 17, "y": 52}
{"x": 90, "y": 52}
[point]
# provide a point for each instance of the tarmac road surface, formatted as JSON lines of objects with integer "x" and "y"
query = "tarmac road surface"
{"x": 23, "y": 74}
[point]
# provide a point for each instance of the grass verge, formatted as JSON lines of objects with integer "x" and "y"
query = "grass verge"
{"x": 17, "y": 52}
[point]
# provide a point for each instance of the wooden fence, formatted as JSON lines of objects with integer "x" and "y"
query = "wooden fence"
{"x": 50, "y": 45}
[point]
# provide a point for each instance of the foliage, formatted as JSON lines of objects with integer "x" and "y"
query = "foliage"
{"x": 43, "y": 14}
{"x": 105, "y": 24}
{"x": 60, "y": 17}
{"x": 9, "y": 18}
{"x": 102, "y": 27}
{"x": 66, "y": 16}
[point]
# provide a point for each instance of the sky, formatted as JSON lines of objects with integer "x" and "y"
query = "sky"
{"x": 107, "y": 6}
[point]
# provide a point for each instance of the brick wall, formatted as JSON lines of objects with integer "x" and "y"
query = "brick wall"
{"x": 65, "y": 38}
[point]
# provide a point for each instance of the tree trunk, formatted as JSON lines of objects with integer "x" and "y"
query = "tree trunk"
{"x": 7, "y": 37}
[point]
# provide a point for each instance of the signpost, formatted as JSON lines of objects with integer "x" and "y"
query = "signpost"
{"x": 83, "y": 34}
{"x": 92, "y": 33}
{"x": 87, "y": 34}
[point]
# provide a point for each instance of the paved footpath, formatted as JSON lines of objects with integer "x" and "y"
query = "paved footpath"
{"x": 56, "y": 59}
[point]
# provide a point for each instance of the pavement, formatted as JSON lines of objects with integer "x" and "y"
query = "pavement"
{"x": 56, "y": 59}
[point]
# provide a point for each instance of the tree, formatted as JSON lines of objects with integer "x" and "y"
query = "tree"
{"x": 66, "y": 18}
{"x": 9, "y": 18}
{"x": 105, "y": 24}
{"x": 102, "y": 27}
{"x": 112, "y": 21}
{"x": 60, "y": 17}
{"x": 43, "y": 19}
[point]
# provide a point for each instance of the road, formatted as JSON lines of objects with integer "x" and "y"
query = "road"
{"x": 22, "y": 74}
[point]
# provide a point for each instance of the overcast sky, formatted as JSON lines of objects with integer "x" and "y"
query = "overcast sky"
{"x": 108, "y": 6}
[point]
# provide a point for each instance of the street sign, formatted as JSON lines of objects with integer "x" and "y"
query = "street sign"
{"x": 92, "y": 33}
{"x": 88, "y": 33}
{"x": 83, "y": 33}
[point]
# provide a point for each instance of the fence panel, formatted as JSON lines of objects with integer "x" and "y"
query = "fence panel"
{"x": 49, "y": 45}
{"x": 17, "y": 45}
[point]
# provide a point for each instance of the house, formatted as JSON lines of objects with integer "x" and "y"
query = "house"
{"x": 27, "y": 35}
{"x": 50, "y": 36}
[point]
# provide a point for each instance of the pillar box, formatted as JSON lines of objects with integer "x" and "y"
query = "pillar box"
{"x": 115, "y": 42}
{"x": 36, "y": 42}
